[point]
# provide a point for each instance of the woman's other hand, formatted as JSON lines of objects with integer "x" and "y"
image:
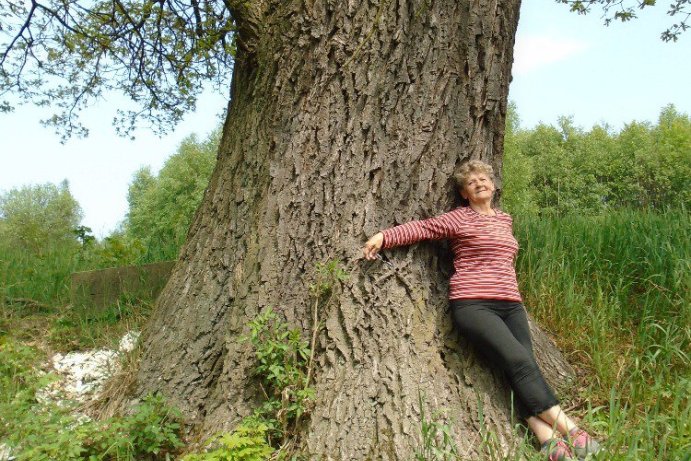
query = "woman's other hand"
{"x": 373, "y": 245}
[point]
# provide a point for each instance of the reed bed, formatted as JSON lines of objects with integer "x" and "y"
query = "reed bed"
{"x": 38, "y": 278}
{"x": 614, "y": 291}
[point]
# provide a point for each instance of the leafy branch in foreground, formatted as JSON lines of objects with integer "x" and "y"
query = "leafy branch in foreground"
{"x": 67, "y": 53}
{"x": 625, "y": 10}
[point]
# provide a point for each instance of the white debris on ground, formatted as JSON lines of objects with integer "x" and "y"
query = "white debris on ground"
{"x": 81, "y": 375}
{"x": 5, "y": 453}
{"x": 79, "y": 378}
{"x": 129, "y": 341}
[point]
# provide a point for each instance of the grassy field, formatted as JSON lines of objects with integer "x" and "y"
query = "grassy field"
{"x": 614, "y": 291}
{"x": 43, "y": 278}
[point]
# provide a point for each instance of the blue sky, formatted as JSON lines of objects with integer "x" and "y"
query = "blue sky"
{"x": 568, "y": 64}
{"x": 565, "y": 64}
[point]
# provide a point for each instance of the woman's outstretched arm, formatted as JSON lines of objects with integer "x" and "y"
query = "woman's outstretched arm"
{"x": 436, "y": 228}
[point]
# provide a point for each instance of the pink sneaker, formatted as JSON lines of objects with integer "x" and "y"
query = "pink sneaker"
{"x": 583, "y": 444}
{"x": 557, "y": 450}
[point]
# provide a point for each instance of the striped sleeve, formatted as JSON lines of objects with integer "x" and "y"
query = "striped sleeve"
{"x": 436, "y": 228}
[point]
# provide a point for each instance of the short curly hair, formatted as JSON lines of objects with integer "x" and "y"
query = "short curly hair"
{"x": 470, "y": 167}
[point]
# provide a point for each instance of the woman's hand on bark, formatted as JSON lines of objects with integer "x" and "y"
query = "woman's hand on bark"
{"x": 373, "y": 245}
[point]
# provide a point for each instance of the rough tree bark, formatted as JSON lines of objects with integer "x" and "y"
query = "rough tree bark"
{"x": 347, "y": 116}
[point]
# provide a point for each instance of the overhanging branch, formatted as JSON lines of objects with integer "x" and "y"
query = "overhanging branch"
{"x": 248, "y": 16}
{"x": 159, "y": 53}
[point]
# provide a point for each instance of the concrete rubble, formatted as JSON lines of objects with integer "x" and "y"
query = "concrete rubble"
{"x": 81, "y": 375}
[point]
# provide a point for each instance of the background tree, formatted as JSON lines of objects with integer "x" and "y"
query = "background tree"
{"x": 161, "y": 207}
{"x": 669, "y": 169}
{"x": 590, "y": 172}
{"x": 518, "y": 195}
{"x": 35, "y": 217}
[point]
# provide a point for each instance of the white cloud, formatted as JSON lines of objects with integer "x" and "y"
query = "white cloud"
{"x": 536, "y": 51}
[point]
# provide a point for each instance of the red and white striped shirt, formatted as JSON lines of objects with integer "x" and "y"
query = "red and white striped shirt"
{"x": 484, "y": 250}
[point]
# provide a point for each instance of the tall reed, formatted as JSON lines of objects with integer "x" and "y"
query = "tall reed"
{"x": 615, "y": 291}
{"x": 44, "y": 277}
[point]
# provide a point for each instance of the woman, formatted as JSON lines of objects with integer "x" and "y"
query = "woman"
{"x": 486, "y": 304}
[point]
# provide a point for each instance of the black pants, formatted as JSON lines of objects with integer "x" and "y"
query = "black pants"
{"x": 499, "y": 330}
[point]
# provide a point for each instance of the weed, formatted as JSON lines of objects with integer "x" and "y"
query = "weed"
{"x": 39, "y": 431}
{"x": 284, "y": 370}
{"x": 282, "y": 360}
{"x": 78, "y": 328}
{"x": 285, "y": 361}
{"x": 437, "y": 440}
{"x": 51, "y": 432}
{"x": 614, "y": 290}
{"x": 247, "y": 442}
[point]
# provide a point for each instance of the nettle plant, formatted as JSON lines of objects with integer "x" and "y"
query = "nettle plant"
{"x": 282, "y": 369}
{"x": 285, "y": 361}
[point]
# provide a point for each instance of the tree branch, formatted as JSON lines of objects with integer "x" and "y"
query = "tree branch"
{"x": 625, "y": 10}
{"x": 19, "y": 34}
{"x": 248, "y": 16}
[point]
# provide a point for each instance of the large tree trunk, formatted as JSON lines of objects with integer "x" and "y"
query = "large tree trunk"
{"x": 346, "y": 117}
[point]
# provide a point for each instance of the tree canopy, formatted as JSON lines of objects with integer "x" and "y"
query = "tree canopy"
{"x": 37, "y": 216}
{"x": 68, "y": 53}
{"x": 161, "y": 207}
{"x": 564, "y": 169}
{"x": 623, "y": 10}
{"x": 159, "y": 54}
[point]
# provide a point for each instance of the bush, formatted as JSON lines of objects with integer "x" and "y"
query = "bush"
{"x": 561, "y": 170}
{"x": 161, "y": 208}
{"x": 36, "y": 217}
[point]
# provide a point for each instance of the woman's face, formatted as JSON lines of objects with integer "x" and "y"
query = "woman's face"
{"x": 478, "y": 188}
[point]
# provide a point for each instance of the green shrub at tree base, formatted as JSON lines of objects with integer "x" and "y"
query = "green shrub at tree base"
{"x": 50, "y": 432}
{"x": 282, "y": 368}
{"x": 248, "y": 442}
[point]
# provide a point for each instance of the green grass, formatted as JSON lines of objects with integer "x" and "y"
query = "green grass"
{"x": 50, "y": 432}
{"x": 43, "y": 278}
{"x": 65, "y": 329}
{"x": 614, "y": 290}
{"x": 35, "y": 297}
